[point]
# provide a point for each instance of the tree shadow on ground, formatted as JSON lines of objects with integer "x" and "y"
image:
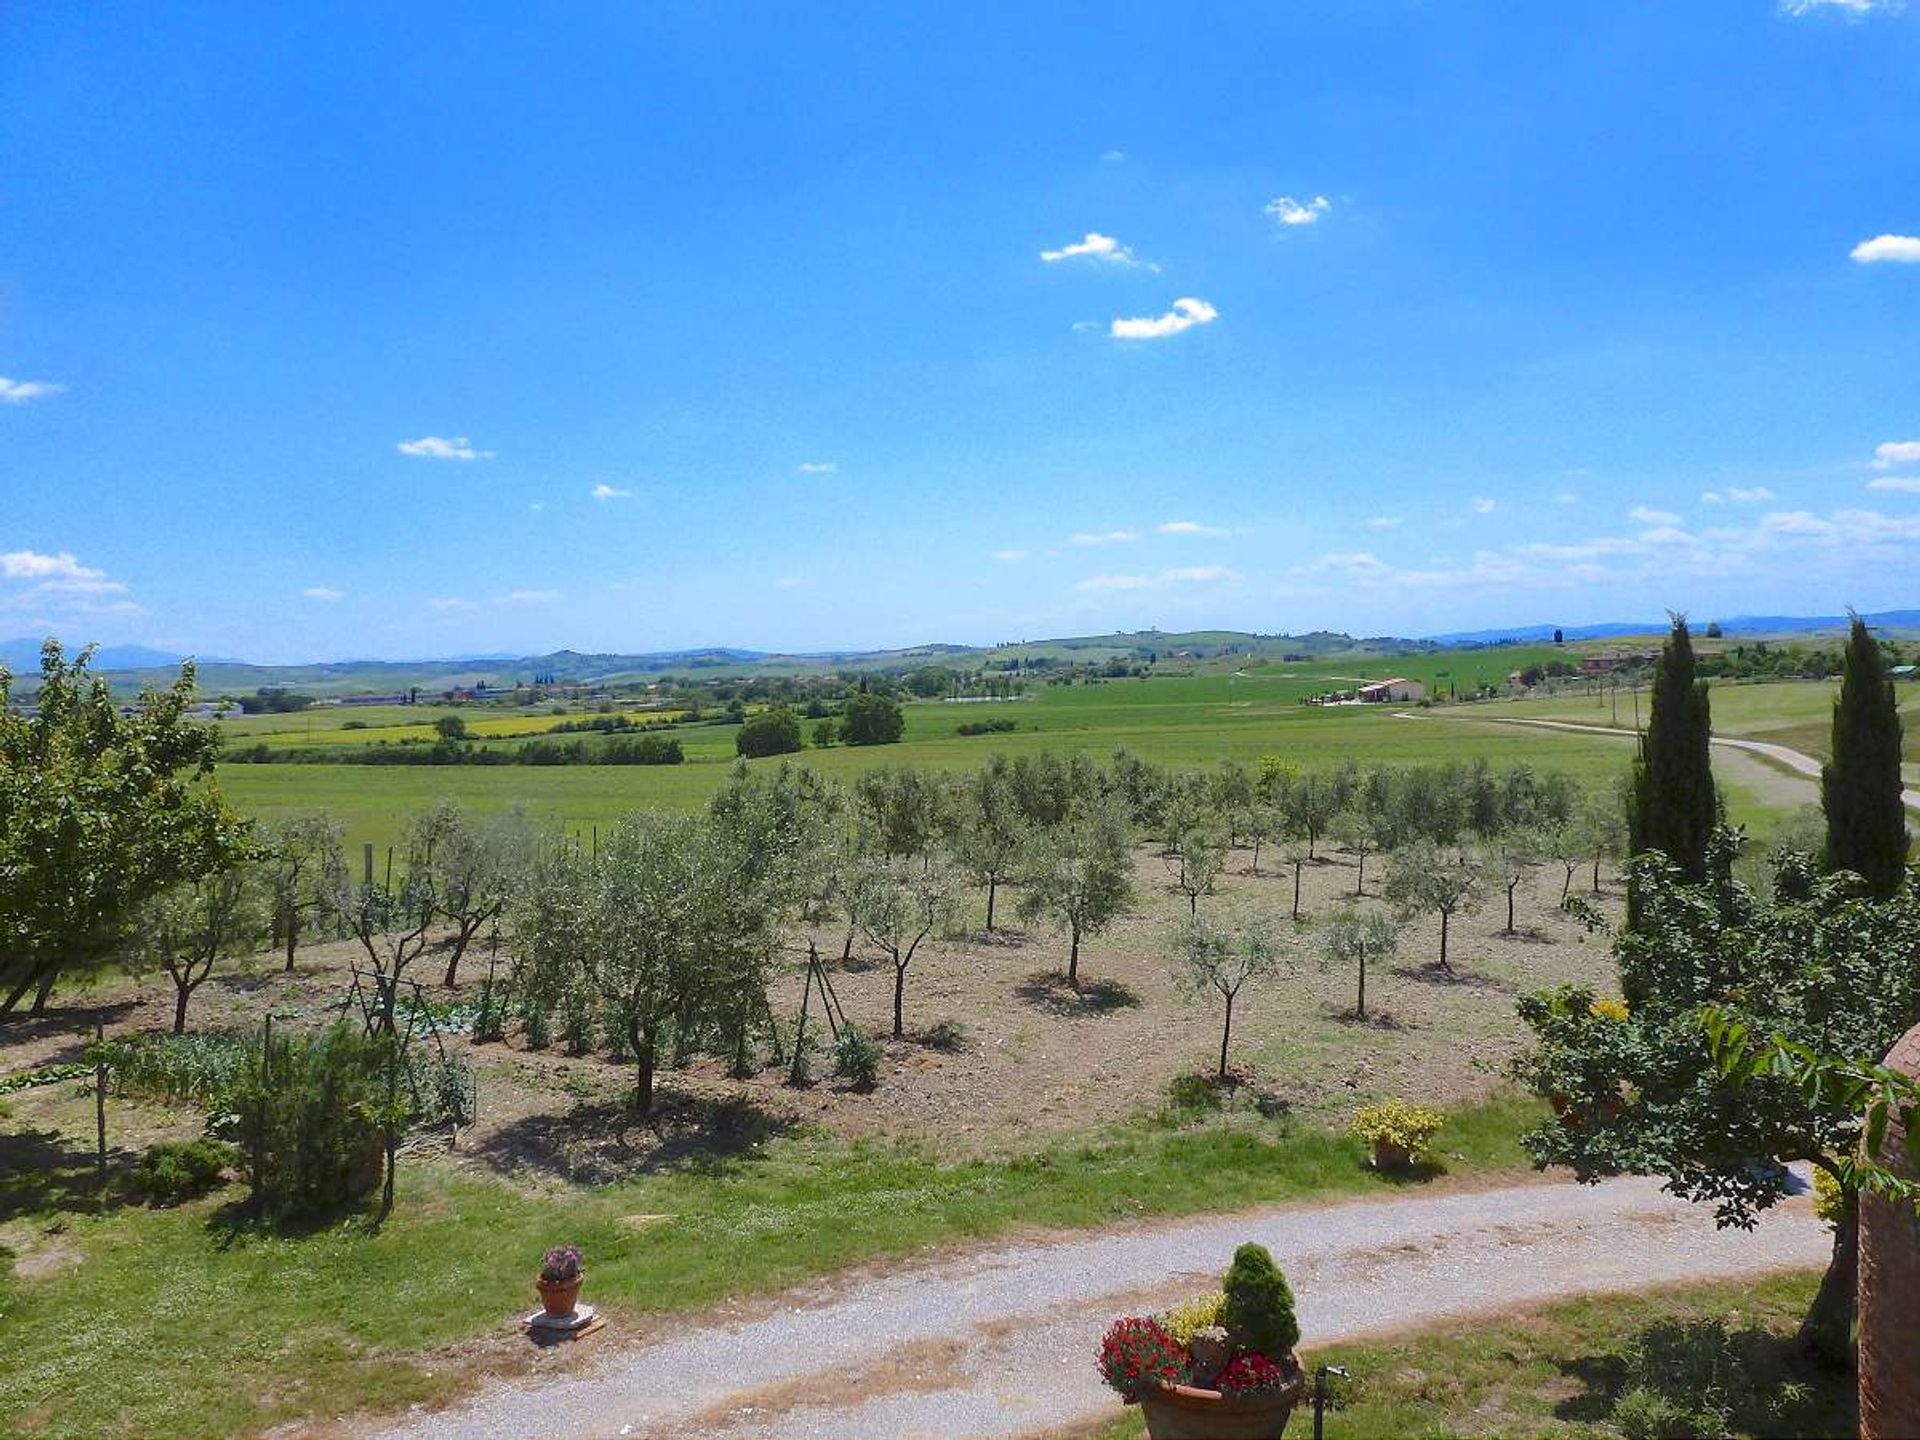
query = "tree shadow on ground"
{"x": 1690, "y": 1377}
{"x": 1374, "y": 1019}
{"x": 42, "y": 1172}
{"x": 602, "y": 1140}
{"x": 74, "y": 1024}
{"x": 1434, "y": 973}
{"x": 1048, "y": 990}
{"x": 1528, "y": 935}
{"x": 1002, "y": 936}
{"x": 1414, "y": 1172}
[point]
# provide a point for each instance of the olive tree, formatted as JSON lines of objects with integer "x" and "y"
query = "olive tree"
{"x": 189, "y": 929}
{"x": 1080, "y": 874}
{"x": 1224, "y": 960}
{"x": 1422, "y": 880}
{"x": 476, "y": 861}
{"x": 302, "y": 860}
{"x": 989, "y": 832}
{"x": 1359, "y": 938}
{"x": 1195, "y": 856}
{"x": 897, "y": 907}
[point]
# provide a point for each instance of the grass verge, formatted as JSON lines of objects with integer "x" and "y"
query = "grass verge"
{"x": 257, "y": 1327}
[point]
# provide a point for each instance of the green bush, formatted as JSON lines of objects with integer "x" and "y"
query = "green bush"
{"x": 311, "y": 1114}
{"x": 536, "y": 1026}
{"x": 176, "y": 1170}
{"x": 1259, "y": 1310}
{"x": 856, "y": 1059}
{"x": 1643, "y": 1414}
{"x": 772, "y": 732}
{"x": 871, "y": 720}
{"x": 576, "y": 1020}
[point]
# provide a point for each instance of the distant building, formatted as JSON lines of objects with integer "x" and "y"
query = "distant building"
{"x": 1381, "y": 692}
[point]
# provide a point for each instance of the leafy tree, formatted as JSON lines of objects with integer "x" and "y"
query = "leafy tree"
{"x": 303, "y": 861}
{"x": 476, "y": 863}
{"x": 990, "y": 833}
{"x": 1311, "y": 803}
{"x": 99, "y": 812}
{"x": 1361, "y": 832}
{"x": 1358, "y": 938}
{"x": 1212, "y": 957}
{"x": 771, "y": 732}
{"x": 193, "y": 926}
{"x": 450, "y": 727}
{"x": 897, "y": 907}
{"x": 1230, "y": 793}
{"x": 1860, "y": 786}
{"x": 1424, "y": 881}
{"x": 823, "y": 734}
{"x": 1602, "y": 824}
{"x": 1674, "y": 808}
{"x": 1080, "y": 873}
{"x": 900, "y": 811}
{"x": 1196, "y": 855}
{"x": 1518, "y": 852}
{"x": 871, "y": 719}
{"x": 1821, "y": 965}
{"x": 391, "y": 919}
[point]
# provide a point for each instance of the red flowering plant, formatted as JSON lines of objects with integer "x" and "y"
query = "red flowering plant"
{"x": 1249, "y": 1371}
{"x": 1138, "y": 1355}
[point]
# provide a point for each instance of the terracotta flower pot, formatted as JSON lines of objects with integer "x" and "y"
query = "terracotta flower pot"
{"x": 1182, "y": 1412}
{"x": 561, "y": 1297}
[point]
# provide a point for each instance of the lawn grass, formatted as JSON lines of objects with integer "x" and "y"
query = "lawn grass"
{"x": 258, "y": 1328}
{"x": 1557, "y": 1370}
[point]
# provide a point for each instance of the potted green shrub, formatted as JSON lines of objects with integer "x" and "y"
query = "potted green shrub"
{"x": 561, "y": 1275}
{"x": 1397, "y": 1132}
{"x": 1171, "y": 1365}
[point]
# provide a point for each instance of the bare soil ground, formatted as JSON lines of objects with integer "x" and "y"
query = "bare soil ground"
{"x": 1034, "y": 1059}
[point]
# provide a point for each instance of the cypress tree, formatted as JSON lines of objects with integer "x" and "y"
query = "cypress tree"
{"x": 1672, "y": 807}
{"x": 1860, "y": 785}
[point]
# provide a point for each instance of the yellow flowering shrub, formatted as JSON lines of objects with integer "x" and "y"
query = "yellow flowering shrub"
{"x": 1395, "y": 1122}
{"x": 1607, "y": 1008}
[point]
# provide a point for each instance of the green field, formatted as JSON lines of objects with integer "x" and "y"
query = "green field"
{"x": 1183, "y": 721}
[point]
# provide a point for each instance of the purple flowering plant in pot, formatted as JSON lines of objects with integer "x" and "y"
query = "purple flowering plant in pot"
{"x": 561, "y": 1275}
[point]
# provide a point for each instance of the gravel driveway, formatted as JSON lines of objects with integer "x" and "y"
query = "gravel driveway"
{"x": 1001, "y": 1343}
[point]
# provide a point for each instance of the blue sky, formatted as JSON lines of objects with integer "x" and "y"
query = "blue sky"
{"x": 407, "y": 330}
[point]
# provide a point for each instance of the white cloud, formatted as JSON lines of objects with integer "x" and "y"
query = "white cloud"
{"x": 790, "y": 582}
{"x": 1645, "y": 515}
{"x": 438, "y": 447}
{"x": 1383, "y": 522}
{"x": 1853, "y": 9}
{"x": 19, "y": 392}
{"x": 1112, "y": 157}
{"x": 1896, "y": 452}
{"x": 1095, "y": 247}
{"x": 1104, "y": 537}
{"x": 1291, "y": 212}
{"x": 452, "y": 605}
{"x": 1198, "y": 574}
{"x": 1888, "y": 249}
{"x": 1907, "y": 483}
{"x": 1354, "y": 562}
{"x": 1008, "y": 555}
{"x": 30, "y": 565}
{"x": 1566, "y": 497}
{"x": 604, "y": 491}
{"x": 1737, "y": 495}
{"x": 59, "y": 583}
{"x": 1114, "y": 582}
{"x": 1191, "y": 527}
{"x": 532, "y": 597}
{"x": 817, "y": 467}
{"x": 1484, "y": 506}
{"x": 323, "y": 592}
{"x": 1186, "y": 313}
{"x": 537, "y": 506}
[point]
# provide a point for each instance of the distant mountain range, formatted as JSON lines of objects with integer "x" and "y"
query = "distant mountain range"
{"x": 135, "y": 665}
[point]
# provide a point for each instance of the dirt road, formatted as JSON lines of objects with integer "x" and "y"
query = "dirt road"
{"x": 1002, "y": 1343}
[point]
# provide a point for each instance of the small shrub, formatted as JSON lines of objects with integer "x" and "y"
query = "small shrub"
{"x": 176, "y": 1170}
{"x": 1396, "y": 1124}
{"x": 1137, "y": 1355}
{"x": 1200, "y": 1313}
{"x": 948, "y": 1035}
{"x": 576, "y": 1021}
{"x": 1643, "y": 1414}
{"x": 536, "y": 1026}
{"x": 1258, "y": 1312}
{"x": 856, "y": 1059}
{"x": 490, "y": 1019}
{"x": 1829, "y": 1200}
{"x": 800, "y": 1071}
